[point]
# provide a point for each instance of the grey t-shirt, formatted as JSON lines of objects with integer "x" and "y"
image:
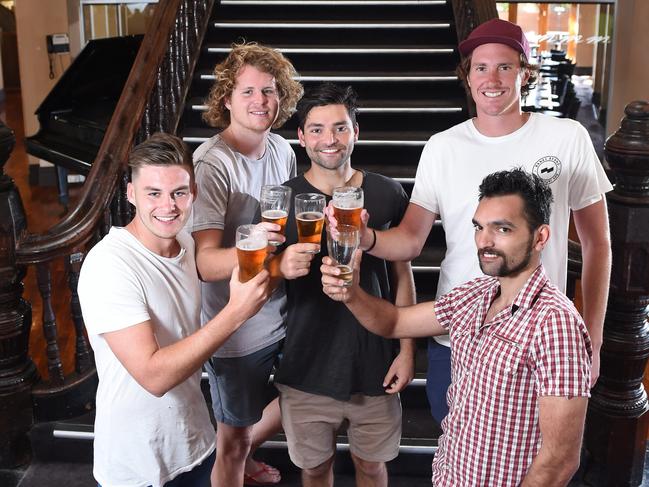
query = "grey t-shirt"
{"x": 229, "y": 185}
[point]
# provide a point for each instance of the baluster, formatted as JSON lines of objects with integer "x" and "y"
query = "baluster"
{"x": 17, "y": 372}
{"x": 617, "y": 423}
{"x": 124, "y": 207}
{"x": 54, "y": 366}
{"x": 83, "y": 356}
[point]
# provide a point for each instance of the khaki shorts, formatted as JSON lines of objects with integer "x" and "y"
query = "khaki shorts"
{"x": 310, "y": 422}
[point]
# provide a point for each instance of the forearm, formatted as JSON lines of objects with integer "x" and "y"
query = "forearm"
{"x": 216, "y": 264}
{"x": 550, "y": 470}
{"x": 405, "y": 295}
{"x": 393, "y": 244}
{"x": 595, "y": 279}
{"x": 407, "y": 347}
{"x": 171, "y": 365}
{"x": 405, "y": 241}
{"x": 377, "y": 315}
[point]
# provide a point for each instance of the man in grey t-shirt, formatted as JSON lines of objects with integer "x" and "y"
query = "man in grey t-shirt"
{"x": 254, "y": 91}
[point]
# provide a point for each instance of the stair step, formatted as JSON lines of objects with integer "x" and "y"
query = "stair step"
{"x": 371, "y": 77}
{"x": 380, "y": 106}
{"x": 324, "y": 24}
{"x": 201, "y": 134}
{"x": 420, "y": 432}
{"x": 366, "y": 3}
{"x": 317, "y": 49}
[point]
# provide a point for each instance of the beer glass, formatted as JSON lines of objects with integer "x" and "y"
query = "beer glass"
{"x": 275, "y": 202}
{"x": 309, "y": 216}
{"x": 251, "y": 250}
{"x": 348, "y": 204}
{"x": 342, "y": 243}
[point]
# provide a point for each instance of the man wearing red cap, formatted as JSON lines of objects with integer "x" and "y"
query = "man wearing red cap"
{"x": 495, "y": 69}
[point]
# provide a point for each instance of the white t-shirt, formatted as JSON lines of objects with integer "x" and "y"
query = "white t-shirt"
{"x": 229, "y": 186}
{"x": 141, "y": 439}
{"x": 454, "y": 163}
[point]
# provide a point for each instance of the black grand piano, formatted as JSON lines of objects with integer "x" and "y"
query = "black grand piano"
{"x": 75, "y": 115}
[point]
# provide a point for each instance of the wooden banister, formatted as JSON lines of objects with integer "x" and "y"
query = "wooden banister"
{"x": 152, "y": 100}
{"x": 76, "y": 229}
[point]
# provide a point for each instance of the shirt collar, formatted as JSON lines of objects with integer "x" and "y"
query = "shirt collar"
{"x": 524, "y": 299}
{"x": 530, "y": 290}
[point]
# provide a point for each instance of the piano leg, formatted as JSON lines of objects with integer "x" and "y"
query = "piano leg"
{"x": 62, "y": 181}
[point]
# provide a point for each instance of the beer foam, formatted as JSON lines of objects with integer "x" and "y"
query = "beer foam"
{"x": 252, "y": 243}
{"x": 274, "y": 214}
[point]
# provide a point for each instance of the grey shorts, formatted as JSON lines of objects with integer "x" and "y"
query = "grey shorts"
{"x": 310, "y": 422}
{"x": 240, "y": 387}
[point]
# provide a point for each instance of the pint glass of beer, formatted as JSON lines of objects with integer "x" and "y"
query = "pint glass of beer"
{"x": 275, "y": 201}
{"x": 251, "y": 250}
{"x": 342, "y": 243}
{"x": 309, "y": 216}
{"x": 348, "y": 204}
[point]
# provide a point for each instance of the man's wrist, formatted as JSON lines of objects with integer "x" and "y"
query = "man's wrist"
{"x": 373, "y": 244}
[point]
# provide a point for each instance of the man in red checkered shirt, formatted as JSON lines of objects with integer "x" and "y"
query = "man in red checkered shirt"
{"x": 521, "y": 354}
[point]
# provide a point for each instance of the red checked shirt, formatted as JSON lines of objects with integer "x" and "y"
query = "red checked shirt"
{"x": 537, "y": 347}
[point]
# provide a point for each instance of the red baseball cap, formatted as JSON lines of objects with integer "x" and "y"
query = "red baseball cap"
{"x": 496, "y": 31}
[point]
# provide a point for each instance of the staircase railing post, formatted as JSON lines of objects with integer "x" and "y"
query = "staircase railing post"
{"x": 17, "y": 371}
{"x": 616, "y": 430}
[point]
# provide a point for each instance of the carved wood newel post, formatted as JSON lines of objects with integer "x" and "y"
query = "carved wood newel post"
{"x": 617, "y": 421}
{"x": 17, "y": 371}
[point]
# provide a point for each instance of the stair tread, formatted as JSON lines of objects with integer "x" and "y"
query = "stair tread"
{"x": 378, "y": 104}
{"x": 73, "y": 474}
{"x": 423, "y": 136}
{"x": 394, "y": 47}
{"x": 422, "y": 73}
{"x": 337, "y": 22}
{"x": 419, "y": 428}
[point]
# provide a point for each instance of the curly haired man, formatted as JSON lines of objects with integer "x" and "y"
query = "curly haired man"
{"x": 255, "y": 90}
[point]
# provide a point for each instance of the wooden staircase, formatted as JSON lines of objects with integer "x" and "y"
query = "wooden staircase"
{"x": 400, "y": 56}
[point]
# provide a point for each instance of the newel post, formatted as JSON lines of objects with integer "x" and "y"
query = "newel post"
{"x": 616, "y": 429}
{"x": 17, "y": 371}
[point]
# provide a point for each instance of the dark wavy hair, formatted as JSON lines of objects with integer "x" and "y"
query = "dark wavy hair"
{"x": 536, "y": 194}
{"x": 327, "y": 94}
{"x": 264, "y": 59}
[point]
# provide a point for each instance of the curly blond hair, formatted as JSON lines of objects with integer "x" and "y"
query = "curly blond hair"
{"x": 264, "y": 59}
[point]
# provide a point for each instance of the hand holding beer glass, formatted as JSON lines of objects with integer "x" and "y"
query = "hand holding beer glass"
{"x": 348, "y": 204}
{"x": 342, "y": 242}
{"x": 275, "y": 202}
{"x": 309, "y": 216}
{"x": 251, "y": 241}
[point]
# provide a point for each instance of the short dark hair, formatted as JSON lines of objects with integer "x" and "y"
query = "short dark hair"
{"x": 464, "y": 67}
{"x": 161, "y": 150}
{"x": 327, "y": 94}
{"x": 536, "y": 194}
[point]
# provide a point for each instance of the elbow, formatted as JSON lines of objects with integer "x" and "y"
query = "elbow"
{"x": 413, "y": 249}
{"x": 157, "y": 390}
{"x": 566, "y": 466}
{"x": 153, "y": 385}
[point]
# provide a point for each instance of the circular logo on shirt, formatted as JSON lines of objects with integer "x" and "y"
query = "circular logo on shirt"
{"x": 547, "y": 168}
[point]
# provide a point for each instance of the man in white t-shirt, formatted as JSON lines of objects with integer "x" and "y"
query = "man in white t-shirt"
{"x": 495, "y": 69}
{"x": 140, "y": 298}
{"x": 255, "y": 90}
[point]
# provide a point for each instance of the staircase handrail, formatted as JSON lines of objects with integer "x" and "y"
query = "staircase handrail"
{"x": 138, "y": 114}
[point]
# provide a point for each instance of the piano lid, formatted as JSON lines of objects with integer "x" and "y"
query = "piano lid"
{"x": 75, "y": 114}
